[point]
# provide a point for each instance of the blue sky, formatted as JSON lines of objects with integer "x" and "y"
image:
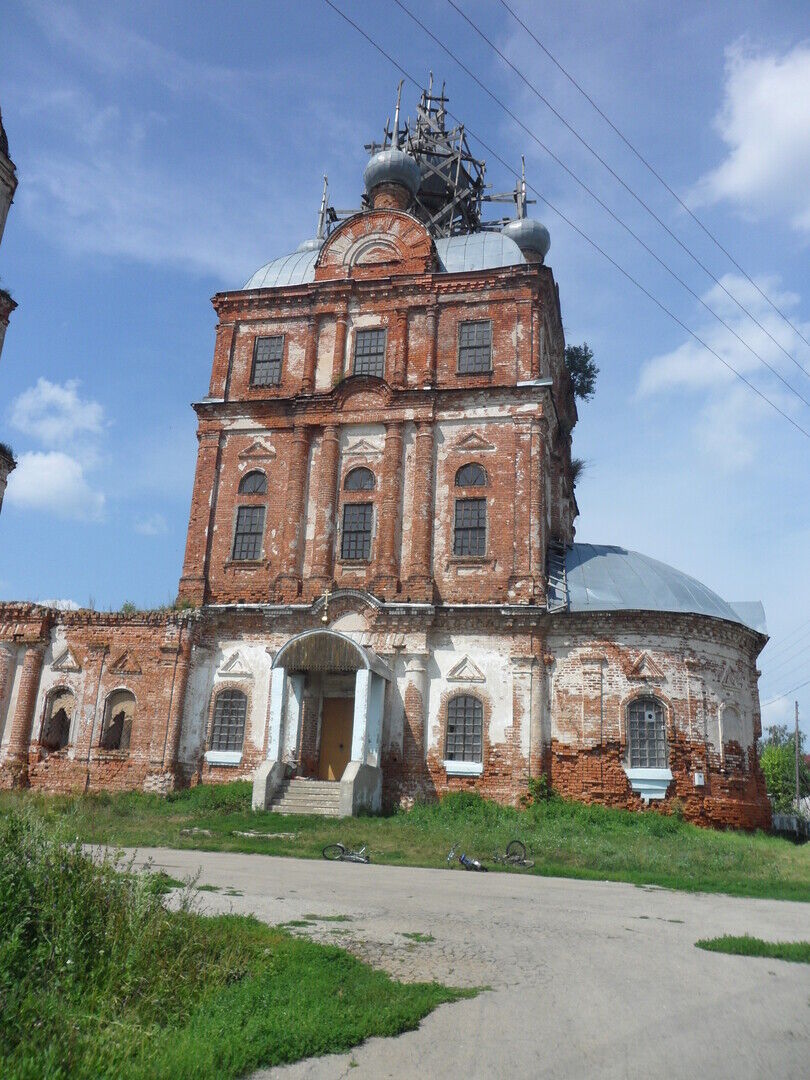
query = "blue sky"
{"x": 165, "y": 151}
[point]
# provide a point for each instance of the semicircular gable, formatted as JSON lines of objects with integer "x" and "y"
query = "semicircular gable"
{"x": 377, "y": 243}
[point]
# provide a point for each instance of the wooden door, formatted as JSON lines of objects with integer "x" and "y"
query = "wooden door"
{"x": 336, "y": 737}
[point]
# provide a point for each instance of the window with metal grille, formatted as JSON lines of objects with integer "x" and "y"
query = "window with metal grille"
{"x": 369, "y": 353}
{"x": 355, "y": 539}
{"x": 360, "y": 480}
{"x": 228, "y": 729}
{"x": 465, "y": 724}
{"x": 472, "y": 475}
{"x": 474, "y": 347}
{"x": 254, "y": 483}
{"x": 646, "y": 734}
{"x": 247, "y": 541}
{"x": 470, "y": 536}
{"x": 267, "y": 353}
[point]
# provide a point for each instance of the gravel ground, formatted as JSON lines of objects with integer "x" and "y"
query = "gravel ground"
{"x": 593, "y": 979}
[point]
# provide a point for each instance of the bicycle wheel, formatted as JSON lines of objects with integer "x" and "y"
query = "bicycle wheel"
{"x": 516, "y": 851}
{"x": 334, "y": 851}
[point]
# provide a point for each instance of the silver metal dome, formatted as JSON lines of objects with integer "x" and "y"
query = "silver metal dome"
{"x": 392, "y": 167}
{"x": 529, "y": 234}
{"x": 315, "y": 244}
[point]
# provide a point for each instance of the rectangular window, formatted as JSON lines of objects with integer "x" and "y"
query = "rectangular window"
{"x": 465, "y": 722}
{"x": 470, "y": 536}
{"x": 247, "y": 542}
{"x": 267, "y": 353}
{"x": 369, "y": 353}
{"x": 474, "y": 347}
{"x": 230, "y": 711}
{"x": 355, "y": 540}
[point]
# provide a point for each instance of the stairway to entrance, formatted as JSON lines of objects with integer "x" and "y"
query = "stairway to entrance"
{"x": 298, "y": 796}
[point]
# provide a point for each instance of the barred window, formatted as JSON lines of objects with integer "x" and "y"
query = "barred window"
{"x": 474, "y": 347}
{"x": 472, "y": 475}
{"x": 360, "y": 480}
{"x": 470, "y": 536}
{"x": 254, "y": 483}
{"x": 465, "y": 723}
{"x": 355, "y": 540}
{"x": 646, "y": 734}
{"x": 247, "y": 541}
{"x": 228, "y": 729}
{"x": 267, "y": 352}
{"x": 369, "y": 353}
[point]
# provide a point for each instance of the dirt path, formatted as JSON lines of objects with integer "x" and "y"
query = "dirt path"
{"x": 592, "y": 979}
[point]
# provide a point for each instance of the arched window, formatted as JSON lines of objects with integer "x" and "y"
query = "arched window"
{"x": 471, "y": 475}
{"x": 646, "y": 734}
{"x": 465, "y": 725}
{"x": 359, "y": 480}
{"x": 253, "y": 483}
{"x": 228, "y": 728}
{"x": 58, "y": 715}
{"x": 119, "y": 713}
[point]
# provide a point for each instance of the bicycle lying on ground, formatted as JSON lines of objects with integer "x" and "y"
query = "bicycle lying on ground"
{"x": 515, "y": 856}
{"x": 335, "y": 852}
{"x": 465, "y": 860}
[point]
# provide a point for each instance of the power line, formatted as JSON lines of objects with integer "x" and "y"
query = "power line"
{"x": 782, "y": 642}
{"x": 626, "y": 186}
{"x": 780, "y": 668}
{"x": 656, "y": 174}
{"x": 502, "y": 105}
{"x": 787, "y": 693}
{"x": 576, "y": 228}
{"x": 791, "y": 653}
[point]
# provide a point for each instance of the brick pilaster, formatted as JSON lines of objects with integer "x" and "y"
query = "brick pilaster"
{"x": 222, "y": 359}
{"x": 420, "y": 515}
{"x": 195, "y": 564}
{"x": 175, "y": 723}
{"x": 294, "y": 523}
{"x": 400, "y": 347}
{"x": 339, "y": 355}
{"x": 22, "y": 721}
{"x": 388, "y": 556}
{"x": 310, "y": 355}
{"x": 325, "y": 525}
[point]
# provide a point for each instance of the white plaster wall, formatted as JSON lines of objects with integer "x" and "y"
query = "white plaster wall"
{"x": 9, "y": 705}
{"x": 491, "y": 656}
{"x": 326, "y": 351}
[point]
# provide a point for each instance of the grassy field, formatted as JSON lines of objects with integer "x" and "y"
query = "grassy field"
{"x": 567, "y": 839}
{"x": 796, "y": 951}
{"x": 99, "y": 980}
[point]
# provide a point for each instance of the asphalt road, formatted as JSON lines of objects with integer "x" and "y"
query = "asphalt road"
{"x": 588, "y": 979}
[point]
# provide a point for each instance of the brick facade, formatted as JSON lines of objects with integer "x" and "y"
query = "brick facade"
{"x": 554, "y": 687}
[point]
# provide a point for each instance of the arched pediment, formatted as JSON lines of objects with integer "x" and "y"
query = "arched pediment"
{"x": 376, "y": 244}
{"x": 361, "y": 392}
{"x": 328, "y": 650}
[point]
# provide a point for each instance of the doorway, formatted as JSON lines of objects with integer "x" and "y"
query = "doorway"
{"x": 336, "y": 737}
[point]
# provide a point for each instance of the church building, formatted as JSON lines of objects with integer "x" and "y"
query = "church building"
{"x": 382, "y": 599}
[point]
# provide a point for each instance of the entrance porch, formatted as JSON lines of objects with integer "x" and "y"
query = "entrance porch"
{"x": 327, "y": 698}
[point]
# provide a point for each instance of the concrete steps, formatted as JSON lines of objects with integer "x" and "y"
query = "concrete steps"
{"x": 298, "y": 796}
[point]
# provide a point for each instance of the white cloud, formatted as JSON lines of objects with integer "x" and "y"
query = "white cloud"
{"x": 731, "y": 413}
{"x": 54, "y": 414}
{"x": 61, "y": 605}
{"x": 54, "y": 482}
{"x": 152, "y": 525}
{"x": 765, "y": 123}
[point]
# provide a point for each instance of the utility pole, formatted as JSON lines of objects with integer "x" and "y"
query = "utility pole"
{"x": 796, "y": 740}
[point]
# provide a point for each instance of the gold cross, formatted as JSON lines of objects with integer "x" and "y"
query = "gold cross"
{"x": 325, "y": 616}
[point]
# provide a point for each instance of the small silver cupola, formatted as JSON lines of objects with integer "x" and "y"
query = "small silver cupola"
{"x": 530, "y": 235}
{"x": 393, "y": 168}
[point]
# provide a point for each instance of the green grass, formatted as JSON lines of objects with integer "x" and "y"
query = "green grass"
{"x": 418, "y": 936}
{"x": 796, "y": 951}
{"x": 99, "y": 981}
{"x": 566, "y": 839}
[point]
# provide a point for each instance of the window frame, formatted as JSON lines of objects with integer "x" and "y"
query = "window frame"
{"x": 459, "y": 483}
{"x": 356, "y": 471}
{"x": 247, "y": 476}
{"x": 361, "y": 332}
{"x": 643, "y": 752}
{"x": 227, "y": 753}
{"x": 474, "y": 706}
{"x": 461, "y": 348}
{"x": 465, "y": 532}
{"x": 107, "y": 717}
{"x": 253, "y": 509}
{"x": 366, "y": 533}
{"x": 279, "y": 360}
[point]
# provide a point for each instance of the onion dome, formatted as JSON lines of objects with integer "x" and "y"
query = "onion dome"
{"x": 531, "y": 236}
{"x": 392, "y": 166}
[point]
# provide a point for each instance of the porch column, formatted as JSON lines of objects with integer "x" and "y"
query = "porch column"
{"x": 420, "y": 516}
{"x": 295, "y": 706}
{"x": 278, "y": 699}
{"x": 362, "y": 697}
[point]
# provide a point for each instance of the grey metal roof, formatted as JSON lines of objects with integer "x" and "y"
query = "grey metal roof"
{"x": 602, "y": 577}
{"x": 457, "y": 254}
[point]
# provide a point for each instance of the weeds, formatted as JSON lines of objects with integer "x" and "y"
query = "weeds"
{"x": 796, "y": 951}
